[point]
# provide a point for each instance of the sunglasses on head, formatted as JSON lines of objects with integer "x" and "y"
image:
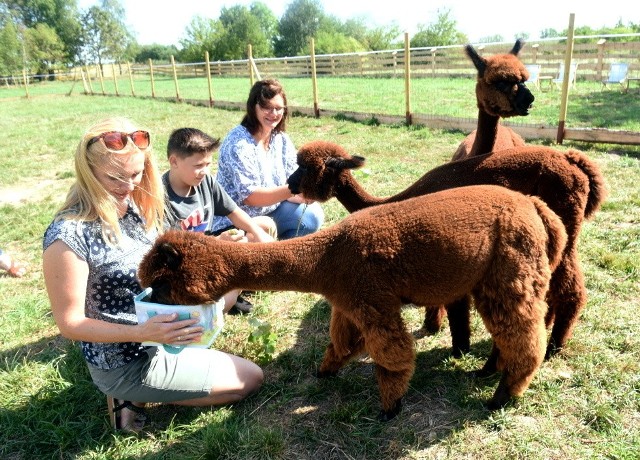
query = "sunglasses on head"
{"x": 115, "y": 140}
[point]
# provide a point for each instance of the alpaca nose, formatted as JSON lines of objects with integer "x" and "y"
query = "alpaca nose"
{"x": 523, "y": 100}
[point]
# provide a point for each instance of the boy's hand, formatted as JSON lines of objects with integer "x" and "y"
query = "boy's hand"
{"x": 234, "y": 235}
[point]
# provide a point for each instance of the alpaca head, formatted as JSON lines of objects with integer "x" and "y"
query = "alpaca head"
{"x": 320, "y": 164}
{"x": 183, "y": 268}
{"x": 500, "y": 87}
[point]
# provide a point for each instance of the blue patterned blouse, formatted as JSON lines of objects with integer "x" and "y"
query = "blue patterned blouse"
{"x": 243, "y": 167}
{"x": 112, "y": 283}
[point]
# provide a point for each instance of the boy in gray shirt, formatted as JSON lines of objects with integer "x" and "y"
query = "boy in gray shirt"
{"x": 194, "y": 198}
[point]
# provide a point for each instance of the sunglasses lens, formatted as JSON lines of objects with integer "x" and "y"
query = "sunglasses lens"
{"x": 140, "y": 139}
{"x": 115, "y": 141}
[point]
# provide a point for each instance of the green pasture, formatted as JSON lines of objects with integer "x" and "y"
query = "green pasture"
{"x": 582, "y": 404}
{"x": 589, "y": 105}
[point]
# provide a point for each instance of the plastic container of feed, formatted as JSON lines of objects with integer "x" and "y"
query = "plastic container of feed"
{"x": 210, "y": 316}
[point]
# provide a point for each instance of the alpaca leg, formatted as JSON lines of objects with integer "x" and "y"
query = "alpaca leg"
{"x": 433, "y": 317}
{"x": 459, "y": 315}
{"x": 392, "y": 349}
{"x": 567, "y": 298}
{"x": 520, "y": 353}
{"x": 346, "y": 342}
{"x": 491, "y": 366}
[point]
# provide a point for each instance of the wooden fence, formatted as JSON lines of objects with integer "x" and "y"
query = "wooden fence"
{"x": 405, "y": 64}
{"x": 450, "y": 61}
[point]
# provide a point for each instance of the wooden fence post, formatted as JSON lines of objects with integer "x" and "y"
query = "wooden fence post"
{"x": 115, "y": 79}
{"x": 175, "y": 77}
{"x": 153, "y": 83}
{"x": 86, "y": 70}
{"x": 26, "y": 82}
{"x": 252, "y": 76}
{"x": 314, "y": 79}
{"x": 407, "y": 77}
{"x": 600, "y": 65}
{"x": 84, "y": 81}
{"x": 99, "y": 71}
{"x": 565, "y": 80}
{"x": 433, "y": 61}
{"x": 534, "y": 58}
{"x": 208, "y": 67}
{"x": 133, "y": 91}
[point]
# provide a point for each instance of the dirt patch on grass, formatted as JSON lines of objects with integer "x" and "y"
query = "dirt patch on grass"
{"x": 31, "y": 192}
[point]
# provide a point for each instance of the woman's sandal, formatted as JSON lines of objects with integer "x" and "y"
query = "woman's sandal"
{"x": 115, "y": 414}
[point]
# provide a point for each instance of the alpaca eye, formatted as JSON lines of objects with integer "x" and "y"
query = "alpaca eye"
{"x": 503, "y": 86}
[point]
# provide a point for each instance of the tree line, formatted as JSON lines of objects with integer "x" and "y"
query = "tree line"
{"x": 45, "y": 36}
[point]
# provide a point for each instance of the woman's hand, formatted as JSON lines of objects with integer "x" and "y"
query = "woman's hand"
{"x": 300, "y": 199}
{"x": 165, "y": 329}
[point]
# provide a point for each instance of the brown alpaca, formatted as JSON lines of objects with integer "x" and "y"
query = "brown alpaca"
{"x": 373, "y": 262}
{"x": 568, "y": 182}
{"x": 500, "y": 92}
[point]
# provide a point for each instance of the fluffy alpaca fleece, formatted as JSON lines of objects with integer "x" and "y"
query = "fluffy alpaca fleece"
{"x": 500, "y": 92}
{"x": 568, "y": 182}
{"x": 375, "y": 261}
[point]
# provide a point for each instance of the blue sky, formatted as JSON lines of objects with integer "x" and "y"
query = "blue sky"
{"x": 164, "y": 23}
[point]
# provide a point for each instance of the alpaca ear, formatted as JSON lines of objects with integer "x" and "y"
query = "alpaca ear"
{"x": 345, "y": 163}
{"x": 170, "y": 256}
{"x": 477, "y": 60}
{"x": 517, "y": 46}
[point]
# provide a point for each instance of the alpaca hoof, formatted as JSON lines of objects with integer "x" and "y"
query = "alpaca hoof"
{"x": 501, "y": 397}
{"x": 386, "y": 415}
{"x": 499, "y": 402}
{"x": 325, "y": 374}
{"x": 431, "y": 327}
{"x": 552, "y": 350}
{"x": 486, "y": 371}
{"x": 457, "y": 352}
{"x": 421, "y": 333}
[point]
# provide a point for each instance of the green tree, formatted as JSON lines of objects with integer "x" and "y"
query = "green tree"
{"x": 155, "y": 52}
{"x": 333, "y": 42}
{"x": 241, "y": 28}
{"x": 46, "y": 49}
{"x": 298, "y": 24}
{"x": 268, "y": 22}
{"x": 491, "y": 39}
{"x": 549, "y": 33}
{"x": 202, "y": 35}
{"x": 11, "y": 49}
{"x": 105, "y": 36}
{"x": 443, "y": 32}
{"x": 60, "y": 15}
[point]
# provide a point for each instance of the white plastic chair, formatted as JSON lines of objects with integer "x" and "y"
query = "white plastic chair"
{"x": 573, "y": 68}
{"x": 534, "y": 75}
{"x": 617, "y": 74}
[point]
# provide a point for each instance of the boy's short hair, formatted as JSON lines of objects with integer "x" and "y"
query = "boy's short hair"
{"x": 185, "y": 142}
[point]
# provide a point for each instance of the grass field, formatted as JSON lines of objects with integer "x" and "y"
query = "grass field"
{"x": 582, "y": 404}
{"x": 588, "y": 106}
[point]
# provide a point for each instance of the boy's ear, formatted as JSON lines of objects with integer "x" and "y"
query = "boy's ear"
{"x": 173, "y": 160}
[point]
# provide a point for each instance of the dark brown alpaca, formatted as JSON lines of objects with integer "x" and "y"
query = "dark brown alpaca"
{"x": 373, "y": 262}
{"x": 570, "y": 184}
{"x": 501, "y": 93}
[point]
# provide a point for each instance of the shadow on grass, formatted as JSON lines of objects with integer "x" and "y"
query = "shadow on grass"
{"x": 61, "y": 417}
{"x": 295, "y": 415}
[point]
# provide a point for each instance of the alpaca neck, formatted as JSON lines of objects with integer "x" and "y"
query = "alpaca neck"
{"x": 486, "y": 133}
{"x": 351, "y": 194}
{"x": 290, "y": 265}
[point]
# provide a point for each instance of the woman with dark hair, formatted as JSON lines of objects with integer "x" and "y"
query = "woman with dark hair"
{"x": 257, "y": 157}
